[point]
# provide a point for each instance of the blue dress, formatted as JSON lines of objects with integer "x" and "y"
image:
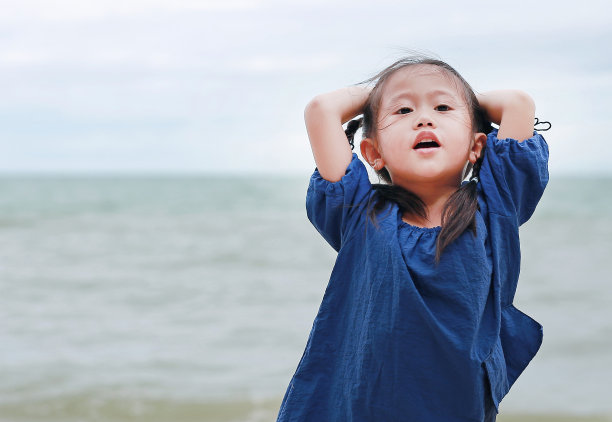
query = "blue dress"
{"x": 398, "y": 338}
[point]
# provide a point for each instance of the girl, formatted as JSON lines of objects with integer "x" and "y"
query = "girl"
{"x": 417, "y": 322}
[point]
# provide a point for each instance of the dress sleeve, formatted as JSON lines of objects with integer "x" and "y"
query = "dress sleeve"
{"x": 334, "y": 208}
{"x": 514, "y": 175}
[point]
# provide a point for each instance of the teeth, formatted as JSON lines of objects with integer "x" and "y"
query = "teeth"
{"x": 427, "y": 140}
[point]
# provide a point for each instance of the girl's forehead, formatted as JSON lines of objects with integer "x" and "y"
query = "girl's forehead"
{"x": 422, "y": 77}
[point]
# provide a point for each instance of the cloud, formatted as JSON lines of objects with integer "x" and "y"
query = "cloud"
{"x": 74, "y": 10}
{"x": 236, "y": 72}
{"x": 293, "y": 63}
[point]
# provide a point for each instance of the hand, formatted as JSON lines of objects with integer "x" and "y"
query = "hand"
{"x": 512, "y": 110}
{"x": 324, "y": 116}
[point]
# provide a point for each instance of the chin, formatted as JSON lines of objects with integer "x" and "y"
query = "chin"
{"x": 433, "y": 178}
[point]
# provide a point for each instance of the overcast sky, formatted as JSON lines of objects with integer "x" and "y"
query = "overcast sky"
{"x": 200, "y": 86}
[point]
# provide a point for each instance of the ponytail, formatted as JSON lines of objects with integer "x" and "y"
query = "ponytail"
{"x": 351, "y": 128}
{"x": 459, "y": 212}
{"x": 407, "y": 201}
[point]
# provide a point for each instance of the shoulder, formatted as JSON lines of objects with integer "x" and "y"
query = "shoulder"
{"x": 356, "y": 175}
{"x": 514, "y": 174}
{"x": 535, "y": 145}
{"x": 337, "y": 209}
{"x": 533, "y": 148}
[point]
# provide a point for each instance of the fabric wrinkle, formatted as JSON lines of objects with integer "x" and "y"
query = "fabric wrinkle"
{"x": 400, "y": 338}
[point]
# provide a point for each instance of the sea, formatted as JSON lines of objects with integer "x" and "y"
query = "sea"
{"x": 191, "y": 297}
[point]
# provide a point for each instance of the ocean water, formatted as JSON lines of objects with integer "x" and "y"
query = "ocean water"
{"x": 177, "y": 298}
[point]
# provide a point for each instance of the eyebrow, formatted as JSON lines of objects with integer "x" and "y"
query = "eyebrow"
{"x": 409, "y": 94}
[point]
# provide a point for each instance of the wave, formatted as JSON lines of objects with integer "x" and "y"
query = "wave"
{"x": 107, "y": 407}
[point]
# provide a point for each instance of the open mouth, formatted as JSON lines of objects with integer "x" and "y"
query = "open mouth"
{"x": 427, "y": 143}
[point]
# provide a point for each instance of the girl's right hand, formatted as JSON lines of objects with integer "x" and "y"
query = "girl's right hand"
{"x": 324, "y": 116}
{"x": 512, "y": 110}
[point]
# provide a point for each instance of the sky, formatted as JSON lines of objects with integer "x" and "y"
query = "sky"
{"x": 170, "y": 86}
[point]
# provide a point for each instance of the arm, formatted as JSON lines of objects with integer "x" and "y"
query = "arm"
{"x": 512, "y": 110}
{"x": 324, "y": 116}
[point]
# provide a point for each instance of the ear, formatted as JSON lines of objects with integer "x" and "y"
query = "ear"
{"x": 371, "y": 153}
{"x": 480, "y": 141}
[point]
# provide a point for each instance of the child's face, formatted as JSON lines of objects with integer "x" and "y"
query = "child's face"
{"x": 422, "y": 103}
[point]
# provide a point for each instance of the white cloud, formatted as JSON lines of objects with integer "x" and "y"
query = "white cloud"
{"x": 75, "y": 10}
{"x": 289, "y": 63}
{"x": 236, "y": 72}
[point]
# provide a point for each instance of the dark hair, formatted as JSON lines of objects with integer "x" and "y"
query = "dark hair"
{"x": 459, "y": 212}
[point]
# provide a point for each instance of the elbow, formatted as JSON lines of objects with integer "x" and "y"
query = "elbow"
{"x": 312, "y": 104}
{"x": 316, "y": 111}
{"x": 523, "y": 101}
{"x": 314, "y": 107}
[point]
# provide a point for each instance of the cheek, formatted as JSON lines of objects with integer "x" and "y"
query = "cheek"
{"x": 466, "y": 142}
{"x": 396, "y": 145}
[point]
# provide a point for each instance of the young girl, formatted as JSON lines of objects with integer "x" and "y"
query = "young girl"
{"x": 417, "y": 322}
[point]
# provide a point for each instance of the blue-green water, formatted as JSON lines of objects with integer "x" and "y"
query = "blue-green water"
{"x": 191, "y": 298}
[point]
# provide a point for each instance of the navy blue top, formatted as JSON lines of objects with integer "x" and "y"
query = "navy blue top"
{"x": 398, "y": 338}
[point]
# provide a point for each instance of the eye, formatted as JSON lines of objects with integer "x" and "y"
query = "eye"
{"x": 442, "y": 107}
{"x": 404, "y": 110}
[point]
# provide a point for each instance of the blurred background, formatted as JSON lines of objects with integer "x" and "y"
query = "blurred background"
{"x": 156, "y": 262}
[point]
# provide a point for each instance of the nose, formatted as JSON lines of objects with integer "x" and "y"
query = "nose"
{"x": 424, "y": 119}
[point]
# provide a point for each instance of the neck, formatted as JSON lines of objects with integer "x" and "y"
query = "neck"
{"x": 434, "y": 196}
